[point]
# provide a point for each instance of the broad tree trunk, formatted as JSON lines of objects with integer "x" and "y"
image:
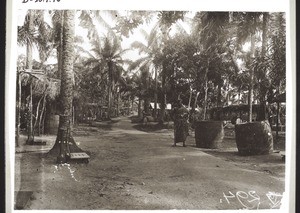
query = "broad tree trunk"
{"x": 64, "y": 142}
{"x": 60, "y": 46}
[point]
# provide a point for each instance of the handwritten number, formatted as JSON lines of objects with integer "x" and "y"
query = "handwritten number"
{"x": 242, "y": 195}
{"x": 254, "y": 196}
{"x": 228, "y": 196}
{"x": 251, "y": 200}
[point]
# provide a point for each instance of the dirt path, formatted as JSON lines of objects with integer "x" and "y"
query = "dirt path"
{"x": 131, "y": 169}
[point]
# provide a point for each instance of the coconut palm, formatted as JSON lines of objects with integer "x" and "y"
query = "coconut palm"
{"x": 30, "y": 34}
{"x": 248, "y": 25}
{"x": 66, "y": 92}
{"x": 145, "y": 64}
{"x": 166, "y": 19}
{"x": 211, "y": 30}
{"x": 105, "y": 57}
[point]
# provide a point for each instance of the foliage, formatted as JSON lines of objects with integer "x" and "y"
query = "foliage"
{"x": 209, "y": 66}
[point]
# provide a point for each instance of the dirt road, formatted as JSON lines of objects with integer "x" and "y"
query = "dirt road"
{"x": 132, "y": 169}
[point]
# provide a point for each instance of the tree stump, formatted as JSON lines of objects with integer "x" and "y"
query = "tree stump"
{"x": 209, "y": 134}
{"x": 254, "y": 138}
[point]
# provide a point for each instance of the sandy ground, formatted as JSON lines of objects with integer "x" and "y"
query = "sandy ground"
{"x": 130, "y": 169}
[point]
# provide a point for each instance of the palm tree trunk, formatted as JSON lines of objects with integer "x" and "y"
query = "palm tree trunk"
{"x": 219, "y": 95}
{"x": 109, "y": 101}
{"x": 190, "y": 98}
{"x": 65, "y": 143}
{"x": 18, "y": 109}
{"x": 41, "y": 116}
{"x": 118, "y": 103}
{"x": 30, "y": 137}
{"x": 262, "y": 112}
{"x": 196, "y": 99}
{"x": 155, "y": 95}
{"x": 132, "y": 103}
{"x": 164, "y": 97}
{"x": 147, "y": 98}
{"x": 250, "y": 99}
{"x": 205, "y": 93}
{"x": 60, "y": 45}
{"x": 110, "y": 89}
{"x": 205, "y": 99}
{"x": 139, "y": 107}
{"x": 37, "y": 114}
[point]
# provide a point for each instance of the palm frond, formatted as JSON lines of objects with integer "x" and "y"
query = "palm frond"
{"x": 138, "y": 63}
{"x": 140, "y": 46}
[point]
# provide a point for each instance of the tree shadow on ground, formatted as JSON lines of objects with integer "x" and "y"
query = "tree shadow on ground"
{"x": 104, "y": 125}
{"x": 152, "y": 126}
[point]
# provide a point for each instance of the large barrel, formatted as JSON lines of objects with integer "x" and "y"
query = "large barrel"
{"x": 254, "y": 138}
{"x": 51, "y": 124}
{"x": 209, "y": 134}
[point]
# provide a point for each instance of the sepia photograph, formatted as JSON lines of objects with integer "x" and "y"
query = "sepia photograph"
{"x": 150, "y": 110}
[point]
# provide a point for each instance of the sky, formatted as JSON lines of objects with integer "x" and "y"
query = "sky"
{"x": 136, "y": 35}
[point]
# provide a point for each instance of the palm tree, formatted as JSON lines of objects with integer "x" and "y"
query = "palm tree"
{"x": 145, "y": 63}
{"x": 166, "y": 20}
{"x": 27, "y": 36}
{"x": 211, "y": 28}
{"x": 248, "y": 25}
{"x": 64, "y": 142}
{"x": 30, "y": 137}
{"x": 106, "y": 58}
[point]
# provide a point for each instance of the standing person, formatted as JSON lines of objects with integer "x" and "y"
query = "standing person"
{"x": 181, "y": 128}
